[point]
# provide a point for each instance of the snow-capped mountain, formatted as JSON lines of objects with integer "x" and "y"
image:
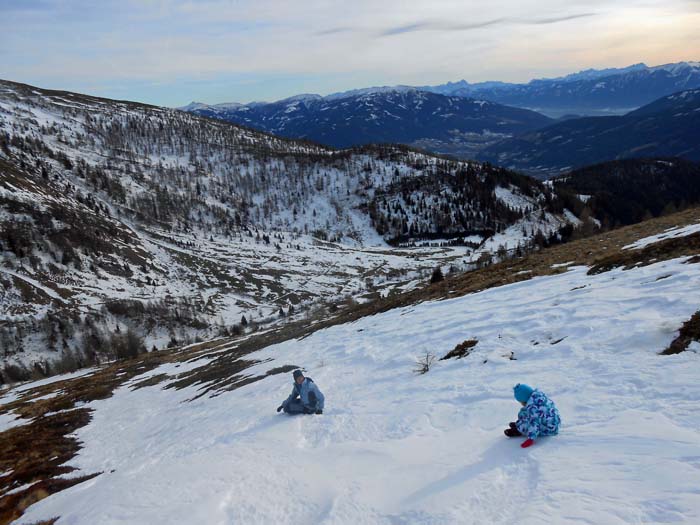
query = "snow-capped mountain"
{"x": 457, "y": 118}
{"x": 668, "y": 127}
{"x": 408, "y": 116}
{"x": 120, "y": 219}
{"x": 590, "y": 92}
{"x": 590, "y": 74}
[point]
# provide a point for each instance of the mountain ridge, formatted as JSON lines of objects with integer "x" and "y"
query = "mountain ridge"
{"x": 453, "y": 127}
{"x": 430, "y": 121}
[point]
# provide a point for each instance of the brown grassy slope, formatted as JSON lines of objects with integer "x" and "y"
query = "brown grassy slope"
{"x": 658, "y": 251}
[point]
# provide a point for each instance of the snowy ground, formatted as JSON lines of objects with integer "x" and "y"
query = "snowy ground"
{"x": 394, "y": 447}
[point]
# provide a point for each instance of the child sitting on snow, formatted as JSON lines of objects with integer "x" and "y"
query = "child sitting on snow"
{"x": 538, "y": 417}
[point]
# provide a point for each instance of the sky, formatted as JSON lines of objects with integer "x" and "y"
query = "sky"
{"x": 171, "y": 52}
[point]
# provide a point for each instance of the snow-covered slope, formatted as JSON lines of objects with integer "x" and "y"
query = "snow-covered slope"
{"x": 396, "y": 447}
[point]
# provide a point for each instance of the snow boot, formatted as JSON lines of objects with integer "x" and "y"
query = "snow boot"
{"x": 512, "y": 430}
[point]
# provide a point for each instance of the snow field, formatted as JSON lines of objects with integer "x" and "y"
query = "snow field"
{"x": 394, "y": 447}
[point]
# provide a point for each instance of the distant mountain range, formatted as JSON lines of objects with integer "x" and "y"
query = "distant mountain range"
{"x": 489, "y": 121}
{"x": 668, "y": 127}
{"x": 590, "y": 92}
{"x": 124, "y": 223}
{"x": 610, "y": 91}
{"x": 433, "y": 121}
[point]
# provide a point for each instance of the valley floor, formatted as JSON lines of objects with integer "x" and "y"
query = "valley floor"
{"x": 395, "y": 447}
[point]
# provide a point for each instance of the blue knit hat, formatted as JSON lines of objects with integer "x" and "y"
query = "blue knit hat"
{"x": 297, "y": 373}
{"x": 522, "y": 392}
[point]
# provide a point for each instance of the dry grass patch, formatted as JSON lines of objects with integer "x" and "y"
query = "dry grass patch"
{"x": 690, "y": 331}
{"x": 36, "y": 458}
{"x": 463, "y": 349}
{"x": 657, "y": 252}
{"x": 35, "y": 454}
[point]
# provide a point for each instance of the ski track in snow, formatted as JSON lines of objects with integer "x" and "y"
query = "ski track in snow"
{"x": 393, "y": 447}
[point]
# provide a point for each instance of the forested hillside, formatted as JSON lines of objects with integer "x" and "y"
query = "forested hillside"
{"x": 125, "y": 226}
{"x": 668, "y": 127}
{"x": 628, "y": 191}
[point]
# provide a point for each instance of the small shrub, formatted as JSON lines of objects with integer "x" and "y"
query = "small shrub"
{"x": 68, "y": 362}
{"x": 424, "y": 363}
{"x": 14, "y": 373}
{"x": 125, "y": 308}
{"x": 126, "y": 346}
{"x": 320, "y": 234}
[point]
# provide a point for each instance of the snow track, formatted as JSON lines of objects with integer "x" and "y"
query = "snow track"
{"x": 393, "y": 447}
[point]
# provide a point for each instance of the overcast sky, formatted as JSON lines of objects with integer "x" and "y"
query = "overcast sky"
{"x": 169, "y": 52}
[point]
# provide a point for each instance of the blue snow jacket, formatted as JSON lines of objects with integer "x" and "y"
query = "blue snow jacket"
{"x": 539, "y": 417}
{"x": 303, "y": 391}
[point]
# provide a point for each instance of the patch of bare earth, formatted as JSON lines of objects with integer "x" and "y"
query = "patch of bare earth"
{"x": 689, "y": 332}
{"x": 463, "y": 349}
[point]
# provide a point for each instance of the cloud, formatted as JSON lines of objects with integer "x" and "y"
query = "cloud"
{"x": 326, "y": 45}
{"x": 558, "y": 19}
{"x": 334, "y": 31}
{"x": 427, "y": 25}
{"x": 439, "y": 26}
{"x": 410, "y": 28}
{"x": 478, "y": 25}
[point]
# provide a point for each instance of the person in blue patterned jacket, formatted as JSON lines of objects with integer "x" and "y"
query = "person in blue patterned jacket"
{"x": 538, "y": 417}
